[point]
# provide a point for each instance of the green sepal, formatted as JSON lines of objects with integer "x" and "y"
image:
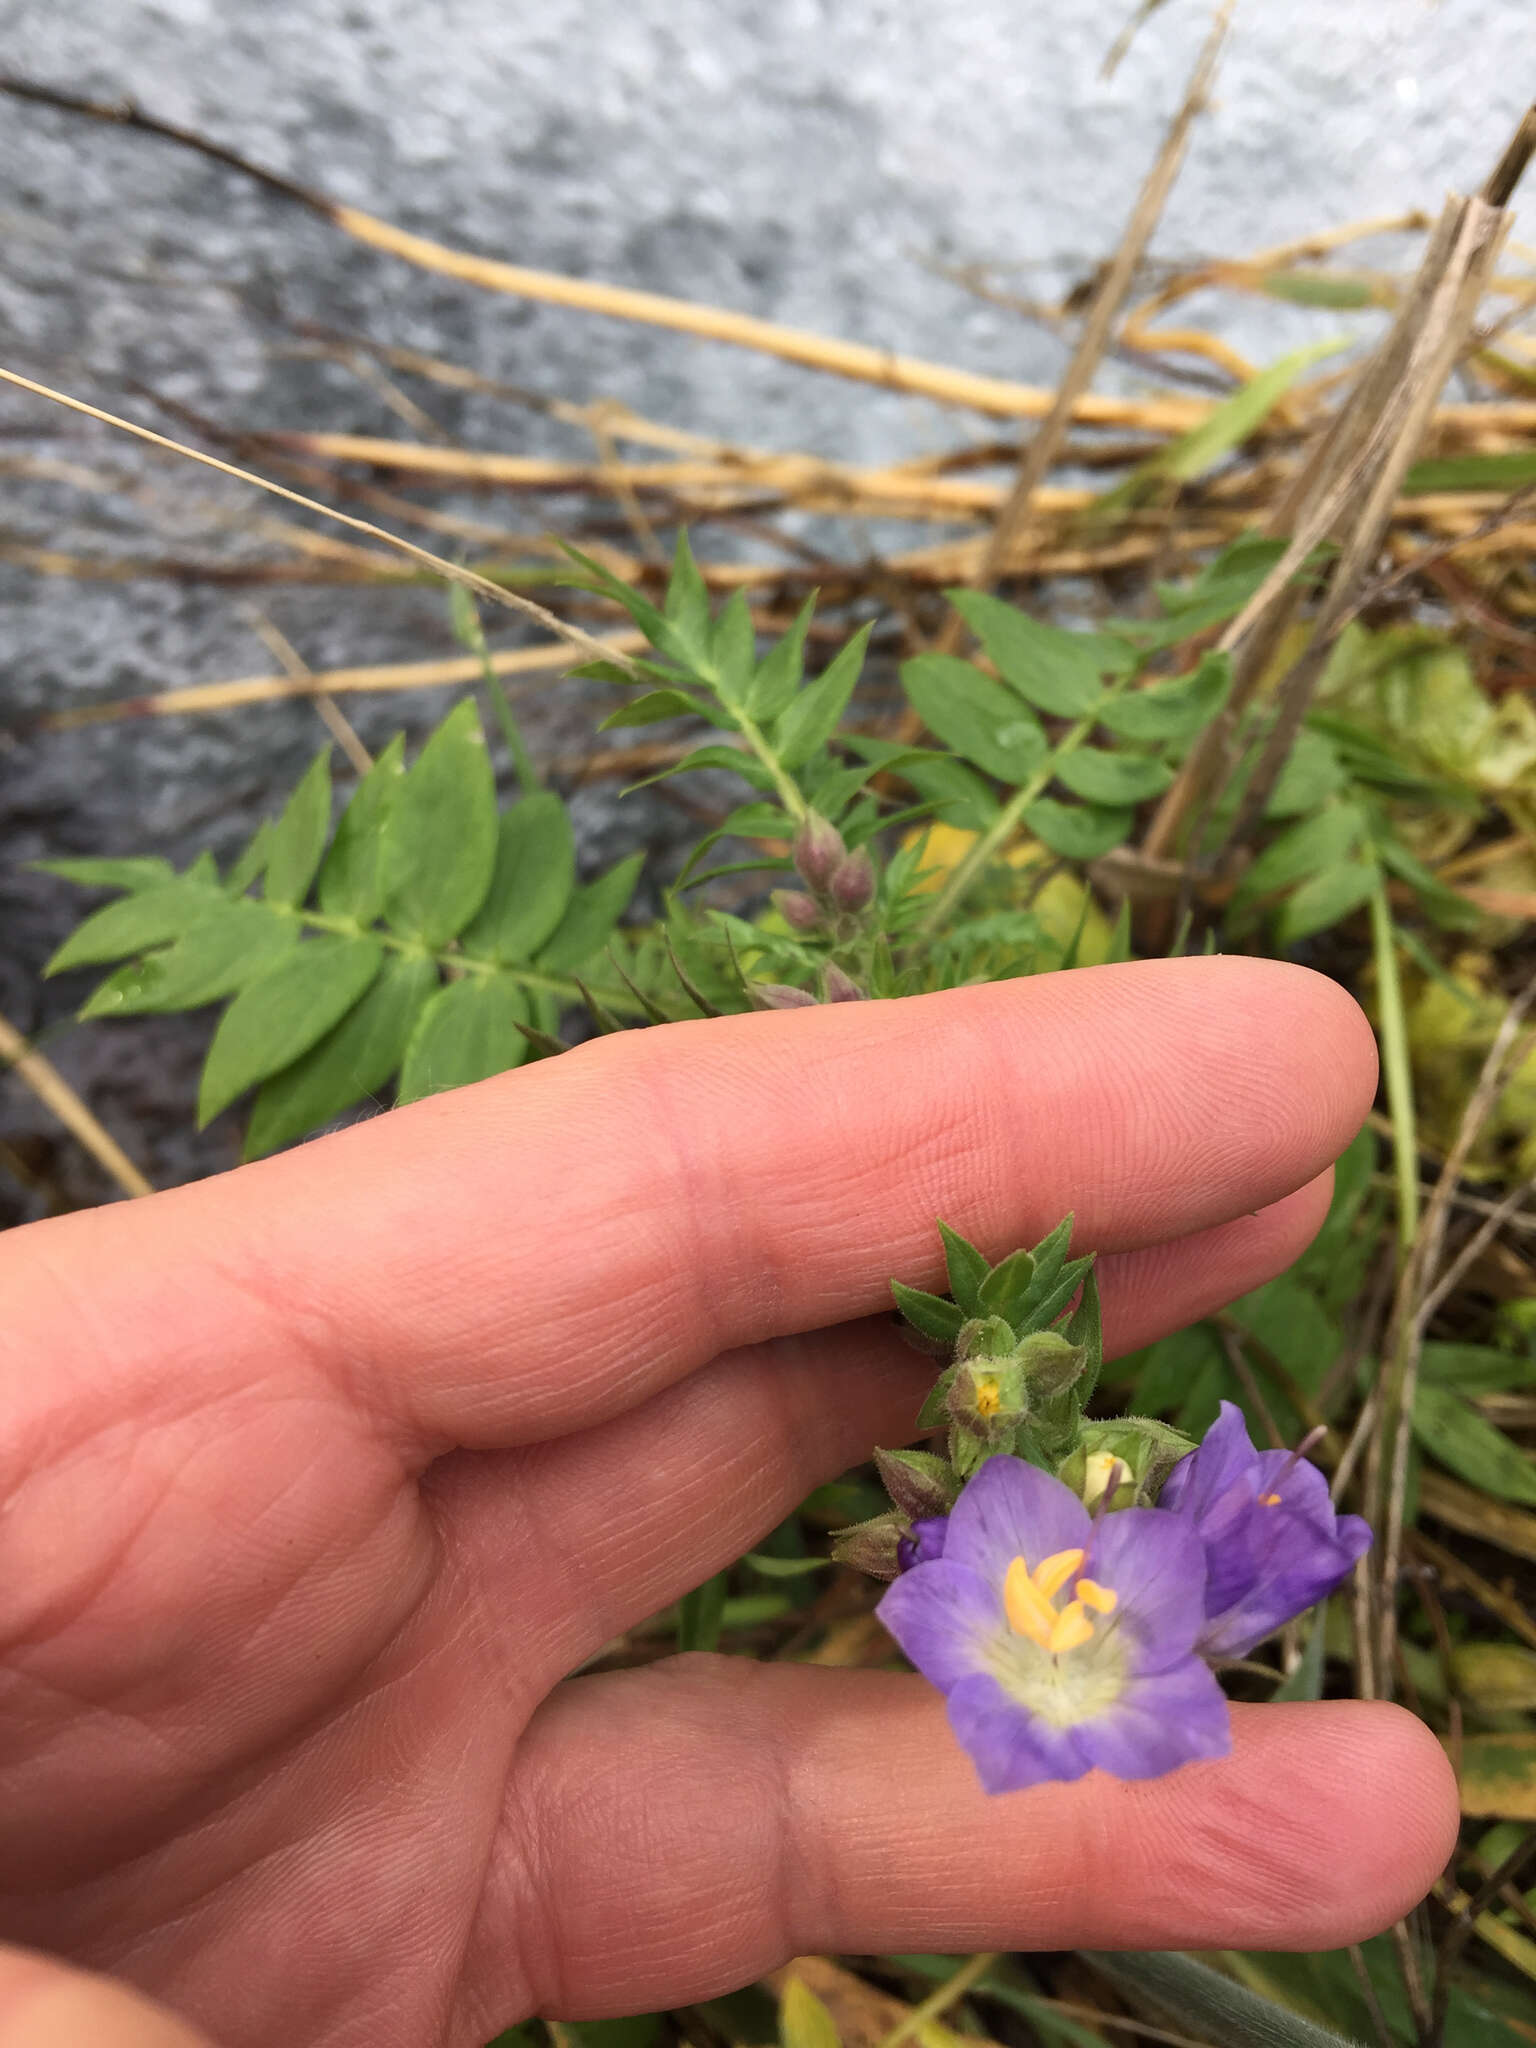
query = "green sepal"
{"x": 967, "y": 1269}
{"x": 871, "y": 1546}
{"x": 919, "y": 1482}
{"x": 936, "y": 1408}
{"x": 1006, "y": 1288}
{"x": 1085, "y": 1326}
{"x": 929, "y": 1313}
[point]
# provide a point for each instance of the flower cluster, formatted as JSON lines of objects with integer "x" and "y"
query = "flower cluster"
{"x": 1066, "y": 1642}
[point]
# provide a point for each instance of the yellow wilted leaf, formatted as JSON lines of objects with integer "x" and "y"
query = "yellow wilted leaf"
{"x": 1498, "y": 1776}
{"x": 804, "y": 2021}
{"x": 1058, "y": 903}
{"x": 1495, "y": 1678}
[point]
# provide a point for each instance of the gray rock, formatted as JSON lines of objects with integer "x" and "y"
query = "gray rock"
{"x": 810, "y": 162}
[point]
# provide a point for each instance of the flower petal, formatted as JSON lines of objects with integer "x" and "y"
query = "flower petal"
{"x": 943, "y": 1615}
{"x": 1008, "y": 1510}
{"x": 1224, "y": 1456}
{"x": 1304, "y": 1567}
{"x": 1011, "y": 1748}
{"x": 1164, "y": 1721}
{"x": 1154, "y": 1562}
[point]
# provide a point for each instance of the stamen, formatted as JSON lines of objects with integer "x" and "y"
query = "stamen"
{"x": 1312, "y": 1438}
{"x": 1028, "y": 1610}
{"x": 1072, "y": 1630}
{"x": 1114, "y": 1479}
{"x": 1102, "y": 1599}
{"x": 1053, "y": 1572}
{"x": 988, "y": 1395}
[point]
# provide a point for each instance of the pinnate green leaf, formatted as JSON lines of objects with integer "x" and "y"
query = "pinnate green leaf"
{"x": 1058, "y": 672}
{"x": 733, "y": 649}
{"x": 1324, "y": 901}
{"x": 1311, "y": 775}
{"x": 467, "y": 1032}
{"x": 1105, "y": 778}
{"x": 298, "y": 838}
{"x": 223, "y": 951}
{"x": 131, "y": 875}
{"x": 1321, "y": 841}
{"x": 779, "y": 672}
{"x": 687, "y": 604}
{"x": 1468, "y": 1445}
{"x": 735, "y": 760}
{"x": 149, "y": 917}
{"x": 531, "y": 885}
{"x": 590, "y": 917}
{"x": 1079, "y": 831}
{"x": 975, "y": 715}
{"x": 811, "y": 718}
{"x": 656, "y": 705}
{"x": 251, "y": 861}
{"x": 280, "y": 1016}
{"x": 1172, "y": 710}
{"x": 355, "y": 1059}
{"x": 440, "y": 837}
{"x": 352, "y": 875}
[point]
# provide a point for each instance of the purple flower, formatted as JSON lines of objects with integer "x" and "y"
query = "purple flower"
{"x": 1062, "y": 1644}
{"x": 1273, "y": 1544}
{"x": 926, "y": 1543}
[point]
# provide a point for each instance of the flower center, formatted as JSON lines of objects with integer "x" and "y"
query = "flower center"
{"x": 989, "y": 1395}
{"x": 1029, "y": 1601}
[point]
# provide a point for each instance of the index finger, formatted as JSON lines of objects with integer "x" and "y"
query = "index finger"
{"x": 509, "y": 1261}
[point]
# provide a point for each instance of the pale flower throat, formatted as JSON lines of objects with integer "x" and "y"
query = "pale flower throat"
{"x": 1059, "y": 1662}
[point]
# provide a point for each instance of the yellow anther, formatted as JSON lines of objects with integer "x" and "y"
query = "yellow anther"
{"x": 1100, "y": 1598}
{"x": 1028, "y": 1610}
{"x": 1072, "y": 1630}
{"x": 1269, "y": 1500}
{"x": 988, "y": 1396}
{"x": 1053, "y": 1572}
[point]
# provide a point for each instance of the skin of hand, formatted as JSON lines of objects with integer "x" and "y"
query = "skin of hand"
{"x": 317, "y": 1479}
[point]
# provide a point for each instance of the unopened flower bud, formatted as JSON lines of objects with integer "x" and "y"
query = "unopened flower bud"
{"x": 1051, "y": 1363}
{"x": 926, "y": 1543}
{"x": 817, "y": 851}
{"x": 1134, "y": 1454}
{"x": 773, "y": 995}
{"x": 800, "y": 912}
{"x": 872, "y": 1546}
{"x": 986, "y": 1337}
{"x": 852, "y": 885}
{"x": 919, "y": 1483}
{"x": 840, "y": 989}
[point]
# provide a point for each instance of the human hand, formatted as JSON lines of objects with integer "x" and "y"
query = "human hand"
{"x": 317, "y": 1478}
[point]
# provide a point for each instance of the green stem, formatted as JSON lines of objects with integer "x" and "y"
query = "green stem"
{"x": 1396, "y": 1067}
{"x": 1002, "y": 828}
{"x": 464, "y": 963}
{"x": 473, "y": 634}
{"x": 789, "y": 796}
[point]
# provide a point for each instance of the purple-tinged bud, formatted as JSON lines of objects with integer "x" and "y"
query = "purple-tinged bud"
{"x": 926, "y": 1543}
{"x": 919, "y": 1483}
{"x": 818, "y": 849}
{"x": 852, "y": 886}
{"x": 800, "y": 913}
{"x": 840, "y": 989}
{"x": 872, "y": 1546}
{"x": 773, "y": 995}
